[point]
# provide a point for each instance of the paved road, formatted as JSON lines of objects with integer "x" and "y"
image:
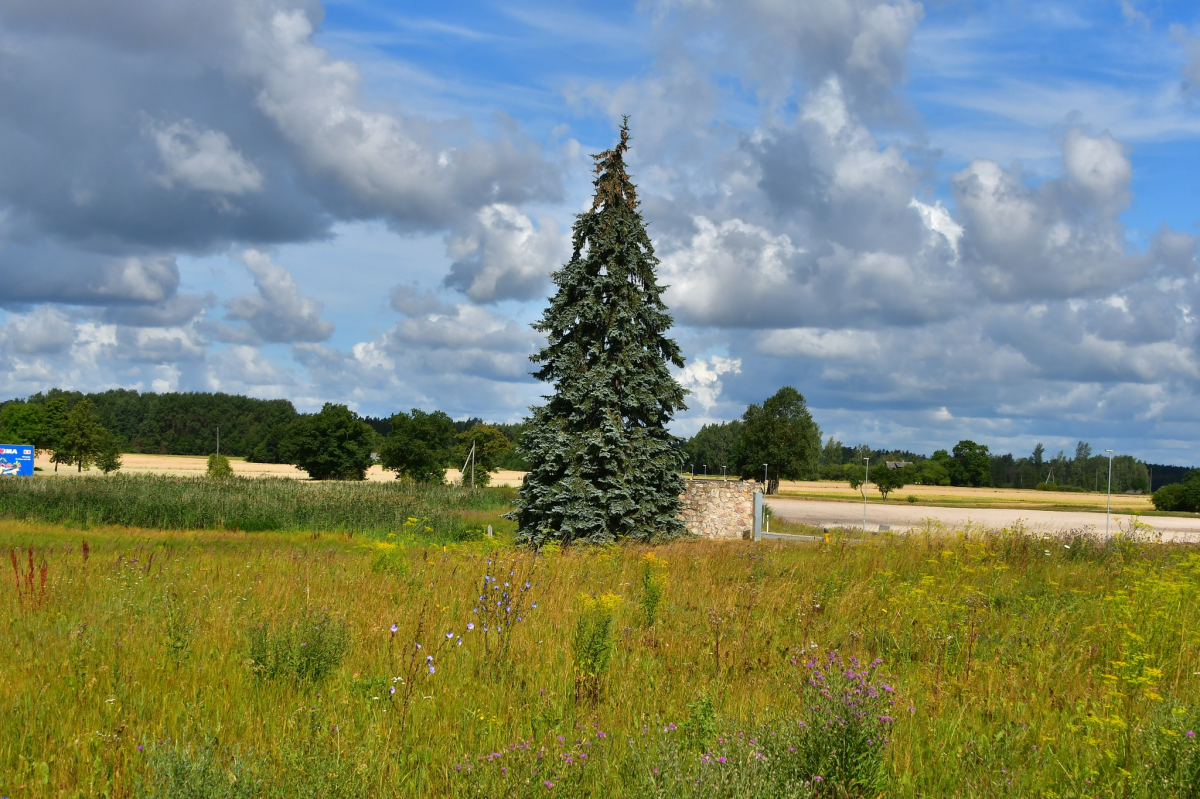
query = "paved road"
{"x": 902, "y": 516}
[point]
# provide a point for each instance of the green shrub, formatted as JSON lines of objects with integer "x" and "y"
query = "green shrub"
{"x": 218, "y": 467}
{"x": 177, "y": 772}
{"x": 307, "y": 649}
{"x": 700, "y": 726}
{"x": 1183, "y": 496}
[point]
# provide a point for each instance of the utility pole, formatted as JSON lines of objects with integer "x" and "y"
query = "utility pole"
{"x": 866, "y": 477}
{"x": 1108, "y": 510}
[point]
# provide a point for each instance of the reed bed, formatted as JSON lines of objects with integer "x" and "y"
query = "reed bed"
{"x": 141, "y": 663}
{"x": 433, "y": 512}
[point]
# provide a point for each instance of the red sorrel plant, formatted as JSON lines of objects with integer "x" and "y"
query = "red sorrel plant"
{"x": 29, "y": 596}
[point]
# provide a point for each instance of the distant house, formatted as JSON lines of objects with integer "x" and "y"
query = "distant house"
{"x": 897, "y": 464}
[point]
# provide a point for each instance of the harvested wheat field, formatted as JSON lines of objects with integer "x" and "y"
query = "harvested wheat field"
{"x": 195, "y": 465}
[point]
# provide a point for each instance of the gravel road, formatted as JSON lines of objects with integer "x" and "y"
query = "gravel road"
{"x": 902, "y": 516}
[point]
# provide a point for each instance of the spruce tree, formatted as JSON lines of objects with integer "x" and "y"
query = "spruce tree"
{"x": 602, "y": 462}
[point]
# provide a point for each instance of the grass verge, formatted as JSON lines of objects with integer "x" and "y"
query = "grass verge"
{"x": 432, "y": 512}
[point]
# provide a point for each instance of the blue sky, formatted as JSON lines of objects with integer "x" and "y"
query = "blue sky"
{"x": 938, "y": 221}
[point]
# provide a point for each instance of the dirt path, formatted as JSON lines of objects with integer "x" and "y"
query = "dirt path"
{"x": 903, "y": 517}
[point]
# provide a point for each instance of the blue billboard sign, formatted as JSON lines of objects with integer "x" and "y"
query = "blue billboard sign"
{"x": 16, "y": 460}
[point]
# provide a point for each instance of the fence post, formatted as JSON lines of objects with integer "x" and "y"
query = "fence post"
{"x": 758, "y": 515}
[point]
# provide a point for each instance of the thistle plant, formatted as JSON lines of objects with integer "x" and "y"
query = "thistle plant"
{"x": 847, "y": 724}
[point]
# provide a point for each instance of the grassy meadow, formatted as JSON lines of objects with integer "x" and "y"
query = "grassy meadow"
{"x": 432, "y": 513}
{"x": 290, "y": 662}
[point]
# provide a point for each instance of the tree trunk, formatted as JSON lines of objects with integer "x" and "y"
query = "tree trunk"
{"x": 773, "y": 485}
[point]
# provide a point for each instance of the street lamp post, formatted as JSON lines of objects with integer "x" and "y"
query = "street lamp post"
{"x": 866, "y": 477}
{"x": 723, "y": 468}
{"x": 1108, "y": 510}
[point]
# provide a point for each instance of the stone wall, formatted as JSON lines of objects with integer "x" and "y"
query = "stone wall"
{"x": 719, "y": 509}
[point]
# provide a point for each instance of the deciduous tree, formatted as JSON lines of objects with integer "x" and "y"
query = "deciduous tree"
{"x": 782, "y": 434}
{"x": 331, "y": 444}
{"x": 418, "y": 445}
{"x": 81, "y": 436}
{"x": 491, "y": 447}
{"x": 972, "y": 465}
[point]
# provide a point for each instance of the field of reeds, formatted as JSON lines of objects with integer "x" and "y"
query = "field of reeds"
{"x": 429, "y": 512}
{"x": 233, "y": 664}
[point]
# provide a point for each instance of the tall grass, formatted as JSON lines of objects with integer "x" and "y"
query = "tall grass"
{"x": 255, "y": 505}
{"x": 1009, "y": 666}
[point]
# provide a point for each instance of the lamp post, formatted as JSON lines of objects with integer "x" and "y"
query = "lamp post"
{"x": 866, "y": 477}
{"x": 723, "y": 480}
{"x": 764, "y": 478}
{"x": 706, "y": 471}
{"x": 1108, "y": 510}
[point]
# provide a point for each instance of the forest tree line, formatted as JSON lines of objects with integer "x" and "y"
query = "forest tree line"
{"x": 966, "y": 464}
{"x": 105, "y": 424}
{"x": 780, "y": 433}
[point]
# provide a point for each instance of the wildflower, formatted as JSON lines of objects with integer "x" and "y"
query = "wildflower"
{"x": 818, "y": 778}
{"x": 449, "y": 635}
{"x": 460, "y": 640}
{"x": 392, "y": 690}
{"x": 548, "y": 784}
{"x": 140, "y": 747}
{"x": 429, "y": 658}
{"x": 534, "y": 606}
{"x": 394, "y": 628}
{"x": 1190, "y": 734}
{"x": 470, "y": 626}
{"x": 431, "y": 669}
{"x": 721, "y": 759}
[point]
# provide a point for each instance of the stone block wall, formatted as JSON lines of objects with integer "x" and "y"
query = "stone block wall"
{"x": 719, "y": 509}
